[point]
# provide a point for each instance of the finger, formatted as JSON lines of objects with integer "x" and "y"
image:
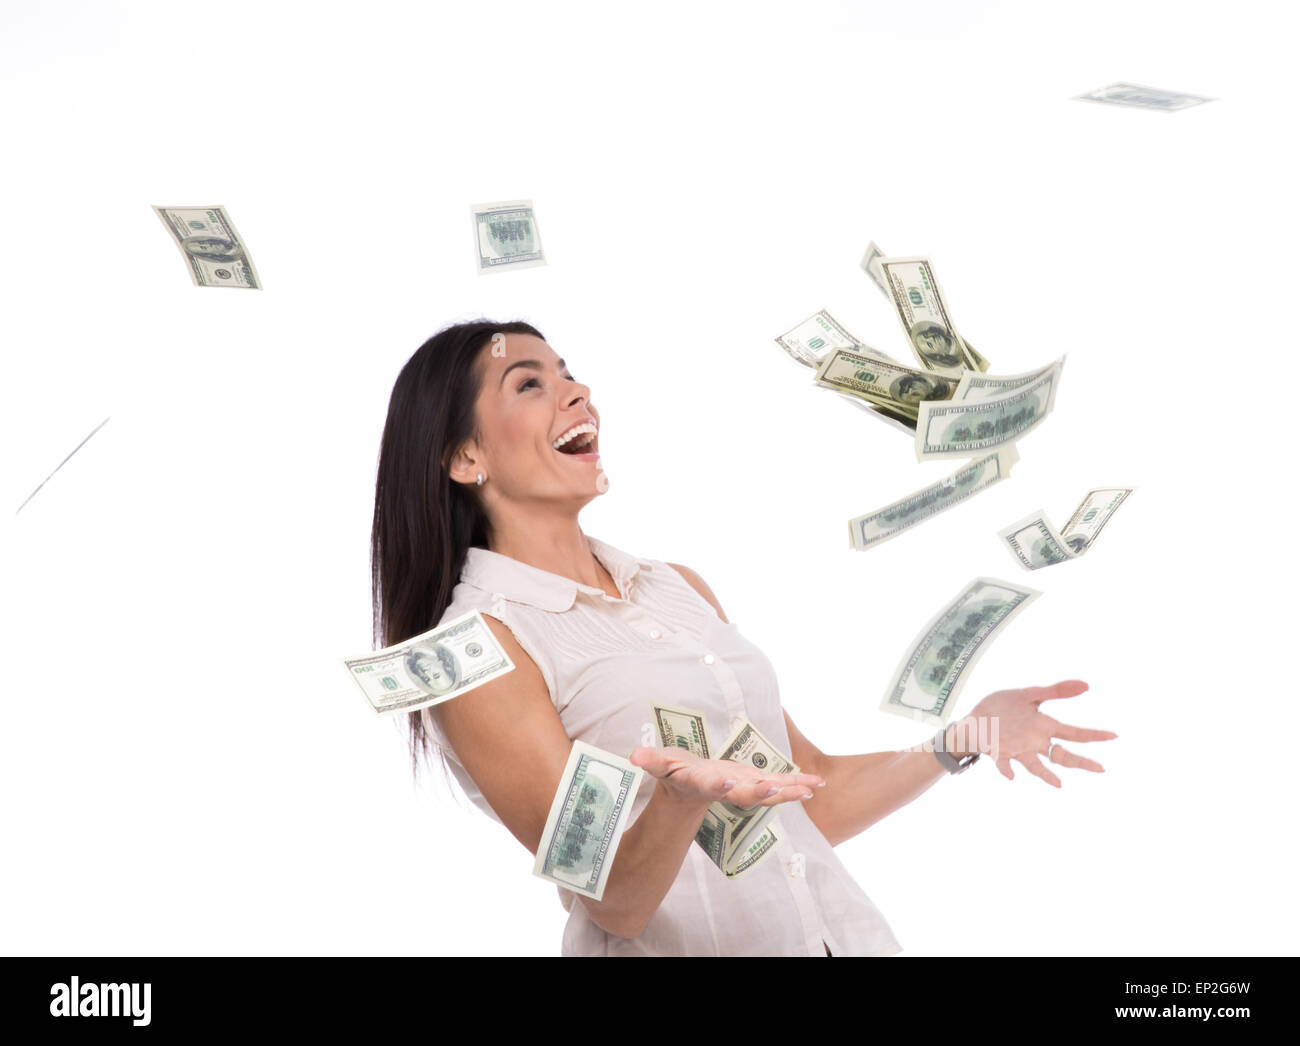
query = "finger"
{"x": 1004, "y": 768}
{"x": 784, "y": 780}
{"x": 1063, "y": 757}
{"x": 1036, "y": 768}
{"x": 1080, "y": 733}
{"x": 789, "y": 794}
{"x": 771, "y": 791}
{"x": 645, "y": 757}
{"x": 724, "y": 786}
{"x": 748, "y": 794}
{"x": 1065, "y": 688}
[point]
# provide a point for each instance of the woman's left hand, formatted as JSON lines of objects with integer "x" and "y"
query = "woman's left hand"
{"x": 1024, "y": 733}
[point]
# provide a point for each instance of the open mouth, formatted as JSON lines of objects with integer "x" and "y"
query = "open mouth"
{"x": 580, "y": 442}
{"x": 579, "y": 445}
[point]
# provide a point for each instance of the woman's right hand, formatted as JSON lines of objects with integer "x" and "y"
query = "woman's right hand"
{"x": 689, "y": 778}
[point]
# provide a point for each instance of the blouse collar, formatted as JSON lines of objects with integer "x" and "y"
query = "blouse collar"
{"x": 532, "y": 586}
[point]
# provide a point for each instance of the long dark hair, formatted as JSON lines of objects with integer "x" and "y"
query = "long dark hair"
{"x": 424, "y": 522}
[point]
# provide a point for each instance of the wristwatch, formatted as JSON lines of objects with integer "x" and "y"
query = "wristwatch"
{"x": 946, "y": 759}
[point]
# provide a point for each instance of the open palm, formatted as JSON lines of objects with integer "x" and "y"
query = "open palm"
{"x": 1024, "y": 732}
{"x": 691, "y": 778}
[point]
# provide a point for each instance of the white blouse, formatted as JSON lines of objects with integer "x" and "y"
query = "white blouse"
{"x": 605, "y": 660}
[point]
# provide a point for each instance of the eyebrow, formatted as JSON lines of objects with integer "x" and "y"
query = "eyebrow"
{"x": 525, "y": 363}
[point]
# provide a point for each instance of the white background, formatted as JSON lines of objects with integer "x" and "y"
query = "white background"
{"x": 184, "y": 766}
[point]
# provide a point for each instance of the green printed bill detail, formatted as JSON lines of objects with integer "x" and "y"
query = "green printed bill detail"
{"x": 821, "y": 333}
{"x": 720, "y": 834}
{"x": 747, "y": 745}
{"x": 506, "y": 236}
{"x": 896, "y": 418}
{"x": 980, "y": 361}
{"x": 880, "y": 382}
{"x": 751, "y": 853}
{"x": 682, "y": 728}
{"x": 213, "y": 251}
{"x": 974, "y": 386}
{"x": 964, "y": 430}
{"x": 871, "y": 266}
{"x": 923, "y": 312}
{"x": 430, "y": 668}
{"x": 928, "y": 679}
{"x": 1036, "y": 543}
{"x": 976, "y": 475}
{"x": 587, "y": 819}
{"x": 809, "y": 342}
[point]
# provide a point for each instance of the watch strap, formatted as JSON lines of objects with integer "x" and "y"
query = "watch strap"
{"x": 947, "y": 760}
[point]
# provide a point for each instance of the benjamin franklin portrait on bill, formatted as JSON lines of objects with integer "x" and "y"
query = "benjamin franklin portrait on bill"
{"x": 912, "y": 388}
{"x": 433, "y": 670}
{"x": 212, "y": 248}
{"x": 935, "y": 345}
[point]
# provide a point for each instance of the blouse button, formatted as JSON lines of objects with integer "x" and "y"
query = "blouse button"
{"x": 655, "y": 633}
{"x": 796, "y": 866}
{"x": 707, "y": 659}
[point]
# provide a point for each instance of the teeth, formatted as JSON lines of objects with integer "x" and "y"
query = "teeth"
{"x": 585, "y": 428}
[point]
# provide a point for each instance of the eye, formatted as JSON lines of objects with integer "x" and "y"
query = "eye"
{"x": 533, "y": 381}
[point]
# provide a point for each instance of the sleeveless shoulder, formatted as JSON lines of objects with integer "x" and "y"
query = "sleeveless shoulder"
{"x": 466, "y": 598}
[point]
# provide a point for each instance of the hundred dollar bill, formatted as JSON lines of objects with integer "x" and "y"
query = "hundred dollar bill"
{"x": 878, "y": 381}
{"x": 963, "y": 430}
{"x": 871, "y": 266}
{"x": 930, "y": 676}
{"x": 1093, "y": 513}
{"x": 812, "y": 340}
{"x": 506, "y": 236}
{"x": 747, "y": 745}
{"x": 430, "y": 668}
{"x": 974, "y": 386}
{"x": 979, "y": 474}
{"x": 1143, "y": 97}
{"x": 212, "y": 249}
{"x": 980, "y": 361}
{"x": 924, "y": 315}
{"x": 586, "y": 821}
{"x": 1036, "y": 543}
{"x": 755, "y": 851}
{"x": 712, "y": 838}
{"x": 681, "y": 728}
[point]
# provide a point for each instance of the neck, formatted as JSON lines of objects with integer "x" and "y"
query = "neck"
{"x": 553, "y": 543}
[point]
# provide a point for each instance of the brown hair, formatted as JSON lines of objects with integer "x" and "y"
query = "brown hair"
{"x": 425, "y": 523}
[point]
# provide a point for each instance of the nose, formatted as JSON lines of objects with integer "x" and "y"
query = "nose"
{"x": 578, "y": 392}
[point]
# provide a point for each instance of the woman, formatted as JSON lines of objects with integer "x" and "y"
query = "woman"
{"x": 481, "y": 478}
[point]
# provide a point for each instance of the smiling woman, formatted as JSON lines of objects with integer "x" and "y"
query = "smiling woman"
{"x": 489, "y": 452}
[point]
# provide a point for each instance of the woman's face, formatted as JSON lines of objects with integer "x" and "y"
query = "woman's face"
{"x": 527, "y": 400}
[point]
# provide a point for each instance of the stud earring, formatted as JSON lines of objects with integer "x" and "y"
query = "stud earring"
{"x": 481, "y": 478}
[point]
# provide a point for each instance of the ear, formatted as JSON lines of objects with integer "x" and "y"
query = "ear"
{"x": 465, "y": 465}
